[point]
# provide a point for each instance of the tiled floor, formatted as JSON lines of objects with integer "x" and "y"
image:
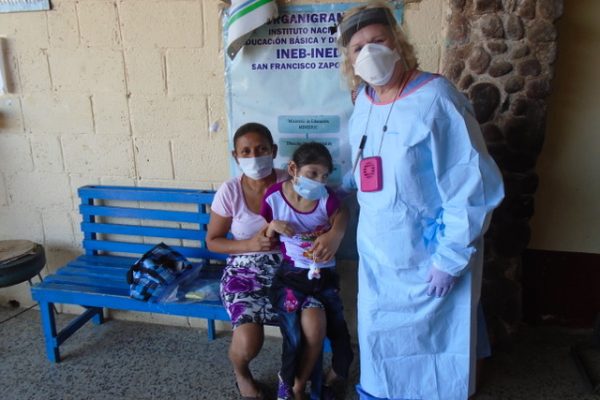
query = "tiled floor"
{"x": 131, "y": 360}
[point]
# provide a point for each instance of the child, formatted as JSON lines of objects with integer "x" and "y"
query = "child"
{"x": 302, "y": 210}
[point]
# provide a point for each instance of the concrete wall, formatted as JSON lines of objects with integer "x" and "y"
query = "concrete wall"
{"x": 567, "y": 215}
{"x": 122, "y": 92}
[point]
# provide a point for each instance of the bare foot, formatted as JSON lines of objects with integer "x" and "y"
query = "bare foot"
{"x": 331, "y": 377}
{"x": 247, "y": 387}
{"x": 298, "y": 389}
{"x": 299, "y": 396}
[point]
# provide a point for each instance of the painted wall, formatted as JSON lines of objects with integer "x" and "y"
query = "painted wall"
{"x": 567, "y": 213}
{"x": 123, "y": 92}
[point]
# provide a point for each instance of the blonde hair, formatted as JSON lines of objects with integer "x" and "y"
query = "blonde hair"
{"x": 406, "y": 50}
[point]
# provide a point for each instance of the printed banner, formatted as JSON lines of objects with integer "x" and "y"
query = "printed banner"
{"x": 287, "y": 78}
{"x": 243, "y": 17}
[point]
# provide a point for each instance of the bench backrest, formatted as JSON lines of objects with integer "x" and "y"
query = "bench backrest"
{"x": 140, "y": 217}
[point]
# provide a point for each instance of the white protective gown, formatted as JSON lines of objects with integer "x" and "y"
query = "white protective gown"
{"x": 439, "y": 188}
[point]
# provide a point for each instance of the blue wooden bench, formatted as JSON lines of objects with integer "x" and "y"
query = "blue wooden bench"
{"x": 119, "y": 225}
{"x": 120, "y": 221}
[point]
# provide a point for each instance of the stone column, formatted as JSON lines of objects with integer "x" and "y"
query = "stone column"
{"x": 500, "y": 54}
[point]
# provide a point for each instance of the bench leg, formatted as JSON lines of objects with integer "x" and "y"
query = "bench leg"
{"x": 98, "y": 319}
{"x": 49, "y": 329}
{"x": 211, "y": 329}
{"x": 326, "y": 346}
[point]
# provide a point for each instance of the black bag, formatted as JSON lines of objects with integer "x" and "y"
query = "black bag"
{"x": 156, "y": 269}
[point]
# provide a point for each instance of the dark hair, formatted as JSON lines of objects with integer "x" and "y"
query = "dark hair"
{"x": 253, "y": 127}
{"x": 312, "y": 153}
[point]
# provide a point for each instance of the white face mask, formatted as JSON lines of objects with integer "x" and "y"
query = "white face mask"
{"x": 256, "y": 167}
{"x": 375, "y": 64}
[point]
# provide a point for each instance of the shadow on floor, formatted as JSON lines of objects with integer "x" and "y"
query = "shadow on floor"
{"x": 132, "y": 360}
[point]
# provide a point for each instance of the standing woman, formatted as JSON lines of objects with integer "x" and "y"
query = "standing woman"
{"x": 426, "y": 189}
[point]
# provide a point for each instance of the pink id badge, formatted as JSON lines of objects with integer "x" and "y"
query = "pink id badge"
{"x": 371, "y": 179}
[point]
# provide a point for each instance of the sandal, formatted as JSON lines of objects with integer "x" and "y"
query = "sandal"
{"x": 327, "y": 393}
{"x": 284, "y": 391}
{"x": 259, "y": 396}
{"x": 332, "y": 390}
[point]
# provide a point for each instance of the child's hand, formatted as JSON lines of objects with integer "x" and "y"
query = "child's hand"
{"x": 281, "y": 227}
{"x": 260, "y": 241}
{"x": 326, "y": 246}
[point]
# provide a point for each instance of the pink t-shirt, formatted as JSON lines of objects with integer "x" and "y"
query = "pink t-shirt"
{"x": 229, "y": 202}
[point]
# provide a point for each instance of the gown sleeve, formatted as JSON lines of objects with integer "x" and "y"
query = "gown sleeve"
{"x": 468, "y": 181}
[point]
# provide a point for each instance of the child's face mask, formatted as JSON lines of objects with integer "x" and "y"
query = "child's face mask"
{"x": 309, "y": 189}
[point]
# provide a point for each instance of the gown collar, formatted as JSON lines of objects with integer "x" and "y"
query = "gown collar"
{"x": 421, "y": 79}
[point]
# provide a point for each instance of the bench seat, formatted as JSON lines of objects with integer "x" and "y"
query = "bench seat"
{"x": 100, "y": 281}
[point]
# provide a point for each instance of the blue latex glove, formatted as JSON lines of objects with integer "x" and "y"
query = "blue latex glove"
{"x": 440, "y": 282}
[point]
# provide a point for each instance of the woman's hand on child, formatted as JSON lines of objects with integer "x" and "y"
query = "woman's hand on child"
{"x": 261, "y": 241}
{"x": 326, "y": 246}
{"x": 281, "y": 227}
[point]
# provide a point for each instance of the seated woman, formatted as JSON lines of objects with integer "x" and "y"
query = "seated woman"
{"x": 254, "y": 257}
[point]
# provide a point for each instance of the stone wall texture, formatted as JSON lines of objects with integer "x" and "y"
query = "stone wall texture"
{"x": 501, "y": 54}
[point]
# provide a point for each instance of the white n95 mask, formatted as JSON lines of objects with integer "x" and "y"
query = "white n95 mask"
{"x": 256, "y": 167}
{"x": 375, "y": 63}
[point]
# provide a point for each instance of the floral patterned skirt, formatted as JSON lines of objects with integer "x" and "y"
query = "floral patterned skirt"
{"x": 245, "y": 289}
